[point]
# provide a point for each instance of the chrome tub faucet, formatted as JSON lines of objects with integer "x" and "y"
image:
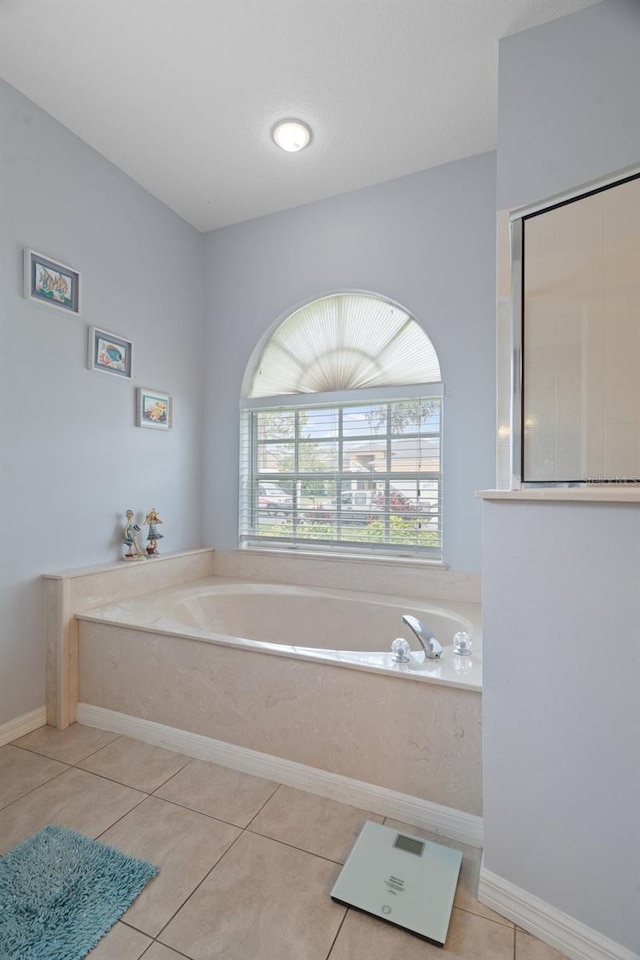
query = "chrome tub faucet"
{"x": 432, "y": 648}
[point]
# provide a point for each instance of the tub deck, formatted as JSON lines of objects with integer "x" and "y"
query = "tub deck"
{"x": 349, "y": 628}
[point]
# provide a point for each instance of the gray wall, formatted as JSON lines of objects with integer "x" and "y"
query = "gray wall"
{"x": 426, "y": 241}
{"x": 568, "y": 104}
{"x": 72, "y": 459}
{"x": 561, "y": 711}
{"x": 561, "y": 596}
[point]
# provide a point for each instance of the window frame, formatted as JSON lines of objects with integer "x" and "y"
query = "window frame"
{"x": 251, "y": 478}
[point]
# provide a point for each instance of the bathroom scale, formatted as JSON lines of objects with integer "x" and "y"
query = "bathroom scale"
{"x": 400, "y": 879}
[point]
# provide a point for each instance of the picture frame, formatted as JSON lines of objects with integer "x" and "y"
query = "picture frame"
{"x": 154, "y": 409}
{"x": 109, "y": 353}
{"x": 51, "y": 282}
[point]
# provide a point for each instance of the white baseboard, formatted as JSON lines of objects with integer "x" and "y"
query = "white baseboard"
{"x": 20, "y": 726}
{"x": 450, "y": 823}
{"x": 569, "y": 936}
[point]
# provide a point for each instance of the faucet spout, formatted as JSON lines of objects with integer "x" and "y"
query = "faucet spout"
{"x": 432, "y": 648}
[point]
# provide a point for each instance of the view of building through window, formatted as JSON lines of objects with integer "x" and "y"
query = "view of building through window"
{"x": 353, "y": 474}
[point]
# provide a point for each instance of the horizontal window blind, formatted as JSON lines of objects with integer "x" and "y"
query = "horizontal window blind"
{"x": 358, "y": 476}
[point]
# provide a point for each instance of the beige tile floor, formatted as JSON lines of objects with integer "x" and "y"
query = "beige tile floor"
{"x": 246, "y": 865}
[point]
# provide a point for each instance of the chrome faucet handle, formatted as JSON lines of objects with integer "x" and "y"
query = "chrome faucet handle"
{"x": 401, "y": 650}
{"x": 431, "y": 646}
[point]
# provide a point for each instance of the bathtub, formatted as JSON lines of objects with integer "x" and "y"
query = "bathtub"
{"x": 350, "y": 628}
{"x": 300, "y": 673}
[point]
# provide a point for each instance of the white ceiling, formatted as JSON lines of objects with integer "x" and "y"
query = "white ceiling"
{"x": 182, "y": 94}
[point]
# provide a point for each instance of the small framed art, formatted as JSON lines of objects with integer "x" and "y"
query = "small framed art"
{"x": 109, "y": 353}
{"x": 154, "y": 409}
{"x": 51, "y": 282}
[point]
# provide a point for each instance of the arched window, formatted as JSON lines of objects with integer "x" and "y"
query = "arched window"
{"x": 341, "y": 432}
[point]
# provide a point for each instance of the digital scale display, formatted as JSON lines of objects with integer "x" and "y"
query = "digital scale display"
{"x": 401, "y": 879}
{"x": 410, "y": 844}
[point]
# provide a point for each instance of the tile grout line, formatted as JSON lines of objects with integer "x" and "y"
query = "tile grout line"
{"x": 120, "y": 783}
{"x": 508, "y": 926}
{"x": 134, "y": 807}
{"x": 183, "y": 806}
{"x": 33, "y": 789}
{"x": 340, "y": 926}
{"x": 229, "y": 823}
{"x": 292, "y": 846}
{"x": 223, "y": 855}
{"x": 100, "y": 749}
{"x": 153, "y": 795}
{"x": 197, "y": 887}
{"x": 268, "y": 800}
{"x": 69, "y": 763}
{"x": 190, "y": 760}
{"x": 146, "y": 949}
{"x": 45, "y": 756}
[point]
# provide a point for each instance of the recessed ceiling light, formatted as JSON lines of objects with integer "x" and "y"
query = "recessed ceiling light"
{"x": 291, "y": 135}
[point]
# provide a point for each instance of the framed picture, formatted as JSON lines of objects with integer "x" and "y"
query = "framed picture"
{"x": 154, "y": 409}
{"x": 109, "y": 353}
{"x": 51, "y": 282}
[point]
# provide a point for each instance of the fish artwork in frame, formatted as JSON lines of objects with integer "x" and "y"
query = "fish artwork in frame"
{"x": 109, "y": 353}
{"x": 51, "y": 282}
{"x": 154, "y": 409}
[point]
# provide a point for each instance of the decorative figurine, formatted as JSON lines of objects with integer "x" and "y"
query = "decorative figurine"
{"x": 131, "y": 531}
{"x": 152, "y": 520}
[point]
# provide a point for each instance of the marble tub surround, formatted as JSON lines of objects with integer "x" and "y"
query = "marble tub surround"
{"x": 73, "y": 591}
{"x": 201, "y": 915}
{"x": 353, "y": 628}
{"x": 378, "y": 575}
{"x": 70, "y": 591}
{"x": 419, "y": 739}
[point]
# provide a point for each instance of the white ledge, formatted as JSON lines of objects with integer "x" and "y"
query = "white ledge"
{"x": 120, "y": 564}
{"x": 396, "y": 559}
{"x": 595, "y": 493}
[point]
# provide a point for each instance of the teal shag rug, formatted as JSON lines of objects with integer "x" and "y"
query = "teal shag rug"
{"x": 60, "y": 892}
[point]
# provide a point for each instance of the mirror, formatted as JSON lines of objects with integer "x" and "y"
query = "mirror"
{"x": 576, "y": 334}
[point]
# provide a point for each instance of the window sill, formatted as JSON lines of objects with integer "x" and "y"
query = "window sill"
{"x": 600, "y": 493}
{"x": 343, "y": 557}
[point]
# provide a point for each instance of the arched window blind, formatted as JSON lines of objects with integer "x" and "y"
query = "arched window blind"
{"x": 341, "y": 432}
{"x": 348, "y": 341}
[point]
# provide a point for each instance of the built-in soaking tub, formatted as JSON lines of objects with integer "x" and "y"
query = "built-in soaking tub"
{"x": 262, "y": 666}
